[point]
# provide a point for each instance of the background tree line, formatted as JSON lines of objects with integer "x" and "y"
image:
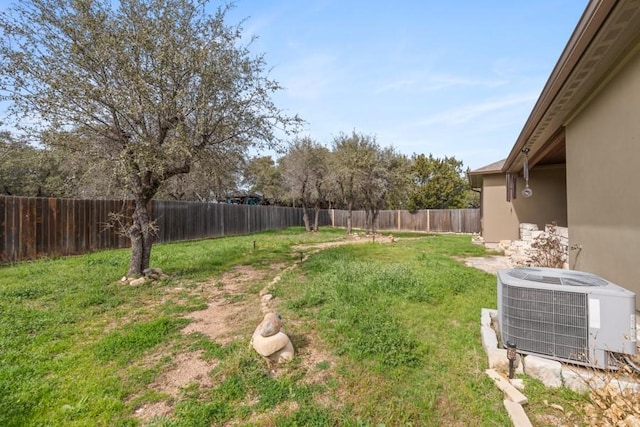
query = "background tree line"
{"x": 353, "y": 173}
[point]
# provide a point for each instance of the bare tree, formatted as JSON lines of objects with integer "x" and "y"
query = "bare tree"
{"x": 352, "y": 157}
{"x": 386, "y": 174}
{"x": 153, "y": 83}
{"x": 303, "y": 167}
{"x": 320, "y": 175}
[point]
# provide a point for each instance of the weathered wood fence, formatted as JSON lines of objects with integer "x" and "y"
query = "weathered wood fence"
{"x": 36, "y": 227}
{"x": 430, "y": 220}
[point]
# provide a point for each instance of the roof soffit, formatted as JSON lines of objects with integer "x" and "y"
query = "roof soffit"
{"x": 595, "y": 49}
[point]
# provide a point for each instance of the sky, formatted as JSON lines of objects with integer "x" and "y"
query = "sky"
{"x": 449, "y": 78}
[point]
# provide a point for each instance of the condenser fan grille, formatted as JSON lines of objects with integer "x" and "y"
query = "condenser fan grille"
{"x": 547, "y": 322}
{"x": 557, "y": 277}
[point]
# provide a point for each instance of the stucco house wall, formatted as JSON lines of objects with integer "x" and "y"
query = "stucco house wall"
{"x": 603, "y": 180}
{"x": 501, "y": 219}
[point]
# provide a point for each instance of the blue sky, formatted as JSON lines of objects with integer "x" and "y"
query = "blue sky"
{"x": 451, "y": 78}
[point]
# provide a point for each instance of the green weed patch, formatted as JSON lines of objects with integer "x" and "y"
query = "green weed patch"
{"x": 123, "y": 346}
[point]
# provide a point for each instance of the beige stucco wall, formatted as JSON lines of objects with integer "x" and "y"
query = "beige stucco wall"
{"x": 499, "y": 222}
{"x": 603, "y": 181}
{"x": 501, "y": 219}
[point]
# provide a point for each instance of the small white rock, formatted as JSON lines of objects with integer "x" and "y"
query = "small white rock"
{"x": 138, "y": 281}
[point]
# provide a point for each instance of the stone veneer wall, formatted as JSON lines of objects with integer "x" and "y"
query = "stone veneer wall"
{"x": 521, "y": 251}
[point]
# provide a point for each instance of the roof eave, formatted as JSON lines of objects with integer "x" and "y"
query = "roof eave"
{"x": 590, "y": 23}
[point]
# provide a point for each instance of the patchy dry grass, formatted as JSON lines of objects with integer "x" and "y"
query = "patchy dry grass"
{"x": 384, "y": 334}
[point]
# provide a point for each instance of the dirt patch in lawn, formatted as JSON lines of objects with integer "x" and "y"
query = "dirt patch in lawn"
{"x": 348, "y": 240}
{"x": 490, "y": 264}
{"x": 188, "y": 368}
{"x": 233, "y": 312}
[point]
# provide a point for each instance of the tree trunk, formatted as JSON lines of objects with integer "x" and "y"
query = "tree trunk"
{"x": 317, "y": 214}
{"x": 141, "y": 234}
{"x": 367, "y": 220}
{"x": 349, "y": 216}
{"x": 374, "y": 217}
{"x": 305, "y": 217}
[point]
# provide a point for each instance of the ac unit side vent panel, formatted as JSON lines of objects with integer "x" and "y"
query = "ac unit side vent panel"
{"x": 547, "y": 322}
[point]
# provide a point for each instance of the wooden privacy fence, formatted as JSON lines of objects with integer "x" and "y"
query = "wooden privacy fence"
{"x": 190, "y": 220}
{"x": 36, "y": 227}
{"x": 430, "y": 220}
{"x": 32, "y": 227}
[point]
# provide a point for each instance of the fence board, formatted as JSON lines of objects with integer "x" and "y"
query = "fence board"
{"x": 13, "y": 230}
{"x": 3, "y": 232}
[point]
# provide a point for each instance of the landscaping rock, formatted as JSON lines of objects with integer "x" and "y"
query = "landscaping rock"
{"x": 270, "y": 342}
{"x": 138, "y": 281}
{"x": 547, "y": 371}
{"x": 577, "y": 379}
{"x": 489, "y": 338}
{"x": 486, "y": 316}
{"x": 153, "y": 273}
{"x": 270, "y": 325}
{"x": 504, "y": 384}
{"x": 517, "y": 414}
{"x": 266, "y": 346}
{"x": 284, "y": 354}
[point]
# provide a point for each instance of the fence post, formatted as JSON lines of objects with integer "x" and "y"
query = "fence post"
{"x": 428, "y": 225}
{"x": 399, "y": 221}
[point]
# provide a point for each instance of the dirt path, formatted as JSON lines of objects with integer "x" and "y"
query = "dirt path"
{"x": 232, "y": 313}
{"x": 490, "y": 264}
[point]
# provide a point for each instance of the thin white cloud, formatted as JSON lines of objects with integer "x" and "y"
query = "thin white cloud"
{"x": 437, "y": 82}
{"x": 470, "y": 112}
{"x": 445, "y": 81}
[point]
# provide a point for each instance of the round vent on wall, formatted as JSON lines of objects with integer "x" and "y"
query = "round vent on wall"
{"x": 557, "y": 276}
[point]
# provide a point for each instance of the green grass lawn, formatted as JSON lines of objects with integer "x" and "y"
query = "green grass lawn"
{"x": 385, "y": 334}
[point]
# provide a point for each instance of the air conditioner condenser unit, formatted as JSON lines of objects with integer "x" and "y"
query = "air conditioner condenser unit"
{"x": 566, "y": 315}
